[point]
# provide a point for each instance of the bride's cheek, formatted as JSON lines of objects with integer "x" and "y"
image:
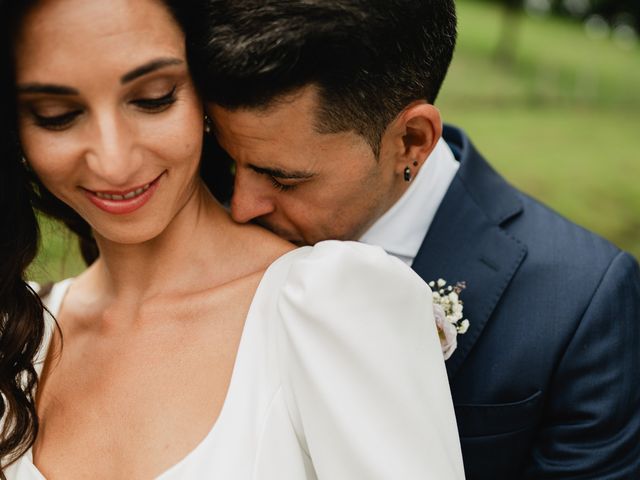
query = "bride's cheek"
{"x": 180, "y": 137}
{"x": 54, "y": 160}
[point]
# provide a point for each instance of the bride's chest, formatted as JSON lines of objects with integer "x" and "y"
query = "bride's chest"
{"x": 130, "y": 407}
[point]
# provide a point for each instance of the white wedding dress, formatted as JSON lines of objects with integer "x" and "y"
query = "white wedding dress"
{"x": 339, "y": 376}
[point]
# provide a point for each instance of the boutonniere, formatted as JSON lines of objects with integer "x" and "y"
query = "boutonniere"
{"x": 447, "y": 310}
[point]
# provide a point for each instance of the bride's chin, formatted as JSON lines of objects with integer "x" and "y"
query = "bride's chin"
{"x": 128, "y": 234}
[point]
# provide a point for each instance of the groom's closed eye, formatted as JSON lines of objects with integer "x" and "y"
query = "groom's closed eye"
{"x": 283, "y": 180}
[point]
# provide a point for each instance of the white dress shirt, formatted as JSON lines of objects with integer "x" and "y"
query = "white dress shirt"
{"x": 401, "y": 230}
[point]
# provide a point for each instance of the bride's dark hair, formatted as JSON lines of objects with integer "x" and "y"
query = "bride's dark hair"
{"x": 21, "y": 195}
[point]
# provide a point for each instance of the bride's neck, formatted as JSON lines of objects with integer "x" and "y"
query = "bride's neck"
{"x": 183, "y": 255}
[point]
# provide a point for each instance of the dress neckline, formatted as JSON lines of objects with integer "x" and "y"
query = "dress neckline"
{"x": 56, "y": 298}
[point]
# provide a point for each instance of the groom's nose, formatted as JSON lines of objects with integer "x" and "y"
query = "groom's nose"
{"x": 251, "y": 197}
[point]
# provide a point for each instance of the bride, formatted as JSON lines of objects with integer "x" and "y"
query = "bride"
{"x": 192, "y": 347}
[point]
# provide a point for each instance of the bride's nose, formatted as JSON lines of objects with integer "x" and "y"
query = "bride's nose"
{"x": 112, "y": 153}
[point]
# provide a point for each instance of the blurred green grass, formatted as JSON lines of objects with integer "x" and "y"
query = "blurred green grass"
{"x": 59, "y": 255}
{"x": 562, "y": 122}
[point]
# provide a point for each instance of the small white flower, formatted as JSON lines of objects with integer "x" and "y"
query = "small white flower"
{"x": 453, "y": 296}
{"x": 441, "y": 282}
{"x": 464, "y": 326}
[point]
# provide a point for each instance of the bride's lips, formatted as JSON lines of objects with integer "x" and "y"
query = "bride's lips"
{"x": 123, "y": 201}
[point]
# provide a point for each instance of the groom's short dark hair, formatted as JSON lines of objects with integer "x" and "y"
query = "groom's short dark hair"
{"x": 368, "y": 58}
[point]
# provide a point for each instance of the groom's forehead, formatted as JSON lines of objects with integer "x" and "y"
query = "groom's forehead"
{"x": 267, "y": 121}
{"x": 287, "y": 128}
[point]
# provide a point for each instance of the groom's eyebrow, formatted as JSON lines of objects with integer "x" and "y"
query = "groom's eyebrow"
{"x": 284, "y": 174}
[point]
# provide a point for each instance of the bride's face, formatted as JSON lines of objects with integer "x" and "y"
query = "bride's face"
{"x": 108, "y": 117}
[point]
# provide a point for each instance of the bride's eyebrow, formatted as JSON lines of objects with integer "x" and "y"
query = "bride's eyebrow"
{"x": 149, "y": 67}
{"x": 137, "y": 72}
{"x": 46, "y": 88}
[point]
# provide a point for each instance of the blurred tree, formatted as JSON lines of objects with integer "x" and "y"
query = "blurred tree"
{"x": 505, "y": 52}
{"x": 622, "y": 16}
{"x": 616, "y": 11}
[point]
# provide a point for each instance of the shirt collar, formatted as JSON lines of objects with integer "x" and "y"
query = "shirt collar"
{"x": 401, "y": 230}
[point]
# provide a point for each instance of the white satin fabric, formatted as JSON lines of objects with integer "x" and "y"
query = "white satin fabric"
{"x": 339, "y": 376}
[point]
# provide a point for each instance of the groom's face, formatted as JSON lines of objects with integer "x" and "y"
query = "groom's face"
{"x": 303, "y": 185}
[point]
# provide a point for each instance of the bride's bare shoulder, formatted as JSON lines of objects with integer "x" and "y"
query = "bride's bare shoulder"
{"x": 262, "y": 246}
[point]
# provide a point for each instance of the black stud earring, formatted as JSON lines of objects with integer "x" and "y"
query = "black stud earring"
{"x": 407, "y": 174}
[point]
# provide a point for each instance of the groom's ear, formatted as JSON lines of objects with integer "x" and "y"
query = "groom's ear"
{"x": 413, "y": 135}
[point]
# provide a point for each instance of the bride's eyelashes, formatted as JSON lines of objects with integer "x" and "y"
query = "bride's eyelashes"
{"x": 156, "y": 104}
{"x": 152, "y": 104}
{"x": 55, "y": 122}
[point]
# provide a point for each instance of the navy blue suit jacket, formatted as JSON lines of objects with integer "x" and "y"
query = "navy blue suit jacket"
{"x": 546, "y": 382}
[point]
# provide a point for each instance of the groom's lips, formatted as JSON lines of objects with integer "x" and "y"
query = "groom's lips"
{"x": 297, "y": 243}
{"x": 300, "y": 242}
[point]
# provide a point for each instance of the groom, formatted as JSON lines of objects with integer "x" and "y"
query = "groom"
{"x": 326, "y": 107}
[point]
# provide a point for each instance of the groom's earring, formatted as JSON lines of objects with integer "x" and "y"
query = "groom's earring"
{"x": 407, "y": 174}
{"x": 207, "y": 124}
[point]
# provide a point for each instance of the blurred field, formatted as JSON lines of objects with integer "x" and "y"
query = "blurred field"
{"x": 562, "y": 123}
{"x": 59, "y": 255}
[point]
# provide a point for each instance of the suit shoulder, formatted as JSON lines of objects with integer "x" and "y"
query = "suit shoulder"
{"x": 547, "y": 232}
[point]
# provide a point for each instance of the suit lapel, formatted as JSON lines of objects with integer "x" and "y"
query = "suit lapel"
{"x": 466, "y": 241}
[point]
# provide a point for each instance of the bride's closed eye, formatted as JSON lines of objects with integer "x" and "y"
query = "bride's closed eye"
{"x": 56, "y": 122}
{"x": 65, "y": 119}
{"x": 156, "y": 104}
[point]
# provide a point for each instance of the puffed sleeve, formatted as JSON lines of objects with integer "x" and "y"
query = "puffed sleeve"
{"x": 363, "y": 372}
